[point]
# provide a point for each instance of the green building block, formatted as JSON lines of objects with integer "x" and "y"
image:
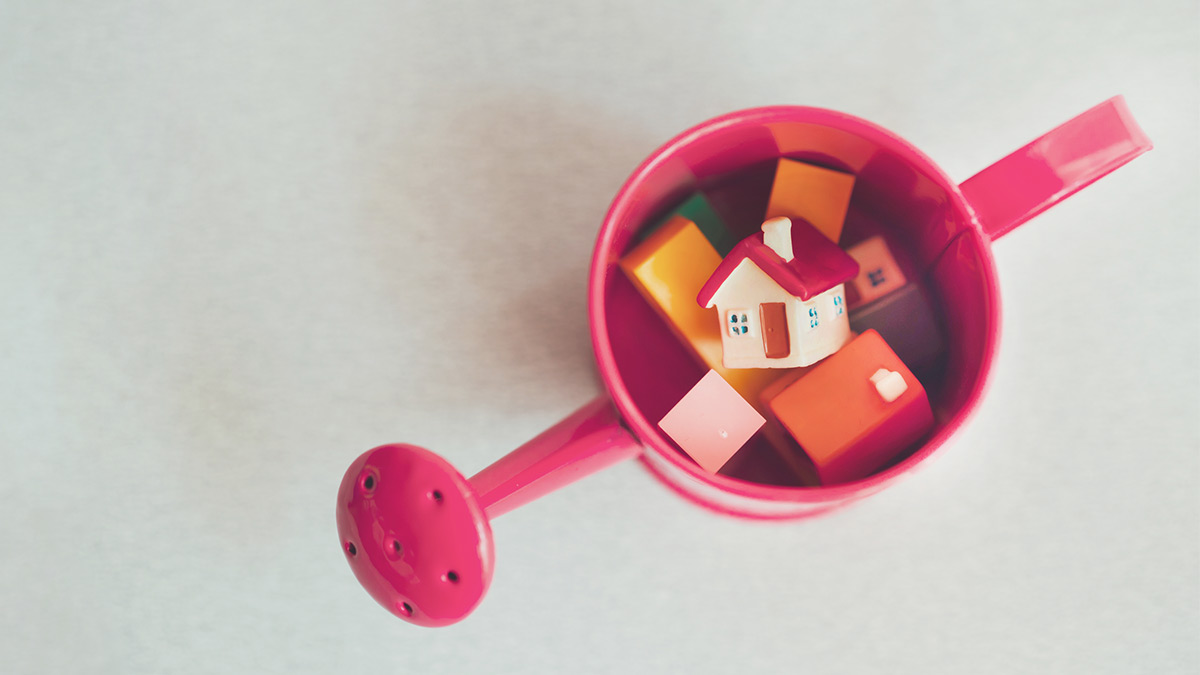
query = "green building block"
{"x": 697, "y": 209}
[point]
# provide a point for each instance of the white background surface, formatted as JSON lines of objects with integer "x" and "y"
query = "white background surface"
{"x": 240, "y": 243}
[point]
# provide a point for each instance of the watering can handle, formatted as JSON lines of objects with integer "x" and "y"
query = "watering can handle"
{"x": 1054, "y": 167}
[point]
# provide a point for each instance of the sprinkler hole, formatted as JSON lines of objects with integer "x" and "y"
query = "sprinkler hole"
{"x": 369, "y": 483}
{"x": 405, "y": 609}
{"x": 350, "y": 548}
{"x": 452, "y": 577}
{"x": 397, "y": 547}
{"x": 436, "y": 496}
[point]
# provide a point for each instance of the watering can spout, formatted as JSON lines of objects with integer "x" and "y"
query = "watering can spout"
{"x": 417, "y": 534}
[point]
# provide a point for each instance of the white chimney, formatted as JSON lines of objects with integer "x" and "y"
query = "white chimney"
{"x": 889, "y": 384}
{"x": 777, "y": 233}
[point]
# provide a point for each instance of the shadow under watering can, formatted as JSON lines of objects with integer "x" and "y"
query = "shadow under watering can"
{"x": 416, "y": 533}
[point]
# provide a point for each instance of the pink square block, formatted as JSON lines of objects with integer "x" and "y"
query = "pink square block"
{"x": 711, "y": 422}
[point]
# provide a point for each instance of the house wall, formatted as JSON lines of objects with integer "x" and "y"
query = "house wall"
{"x": 747, "y": 287}
{"x": 810, "y": 345}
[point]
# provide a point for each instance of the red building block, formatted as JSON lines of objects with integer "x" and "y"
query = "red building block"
{"x": 878, "y": 273}
{"x": 854, "y": 411}
{"x": 906, "y": 320}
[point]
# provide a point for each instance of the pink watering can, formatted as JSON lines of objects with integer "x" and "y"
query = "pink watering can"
{"x": 416, "y": 533}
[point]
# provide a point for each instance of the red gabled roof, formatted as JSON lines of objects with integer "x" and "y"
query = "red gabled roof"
{"x": 818, "y": 265}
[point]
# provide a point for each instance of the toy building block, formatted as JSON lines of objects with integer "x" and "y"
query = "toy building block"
{"x": 698, "y": 210}
{"x": 780, "y": 440}
{"x": 741, "y": 198}
{"x": 669, "y": 268}
{"x": 665, "y": 267}
{"x": 780, "y": 297}
{"x": 889, "y": 384}
{"x": 711, "y": 422}
{"x": 787, "y": 377}
{"x": 855, "y": 411}
{"x": 759, "y": 462}
{"x": 805, "y": 191}
{"x": 906, "y": 320}
{"x": 878, "y": 273}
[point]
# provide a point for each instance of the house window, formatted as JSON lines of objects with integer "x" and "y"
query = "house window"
{"x": 737, "y": 323}
{"x": 839, "y": 305}
{"x": 809, "y": 318}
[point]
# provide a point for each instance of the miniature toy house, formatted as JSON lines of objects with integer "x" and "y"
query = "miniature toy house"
{"x": 780, "y": 297}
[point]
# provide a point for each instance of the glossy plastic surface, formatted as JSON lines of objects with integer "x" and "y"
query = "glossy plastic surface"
{"x": 712, "y": 422}
{"x": 415, "y": 534}
{"x": 785, "y": 285}
{"x": 817, "y": 265}
{"x": 1054, "y": 167}
{"x": 899, "y": 192}
{"x": 668, "y": 269}
{"x": 906, "y": 319}
{"x": 878, "y": 272}
{"x": 811, "y": 193}
{"x": 698, "y": 210}
{"x": 850, "y": 414}
{"x": 586, "y": 441}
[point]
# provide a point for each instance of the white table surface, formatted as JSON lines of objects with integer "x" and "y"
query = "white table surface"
{"x": 240, "y": 243}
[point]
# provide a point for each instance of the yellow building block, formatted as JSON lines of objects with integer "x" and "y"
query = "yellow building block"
{"x": 669, "y": 268}
{"x": 820, "y": 196}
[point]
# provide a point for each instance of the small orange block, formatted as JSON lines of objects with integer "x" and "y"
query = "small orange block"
{"x": 669, "y": 268}
{"x": 878, "y": 273}
{"x": 820, "y": 196}
{"x": 854, "y": 411}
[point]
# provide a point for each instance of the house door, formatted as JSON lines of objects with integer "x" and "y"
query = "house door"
{"x": 776, "y": 343}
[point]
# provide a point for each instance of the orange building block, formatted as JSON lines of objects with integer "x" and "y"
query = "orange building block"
{"x": 820, "y": 196}
{"x": 778, "y": 436}
{"x": 854, "y": 411}
{"x": 669, "y": 268}
{"x": 665, "y": 267}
